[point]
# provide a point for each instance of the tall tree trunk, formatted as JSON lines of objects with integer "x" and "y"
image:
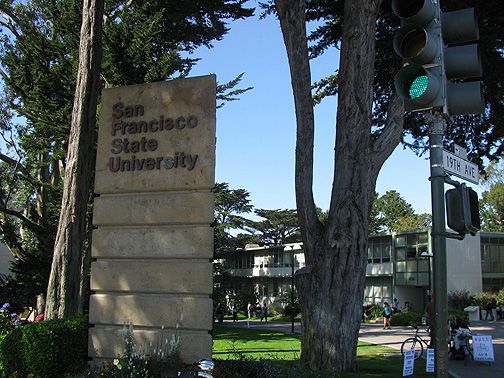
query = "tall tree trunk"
{"x": 65, "y": 284}
{"x": 331, "y": 286}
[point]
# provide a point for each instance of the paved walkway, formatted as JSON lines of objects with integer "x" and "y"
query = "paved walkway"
{"x": 375, "y": 334}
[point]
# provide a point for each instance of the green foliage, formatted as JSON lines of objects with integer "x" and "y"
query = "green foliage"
{"x": 415, "y": 318}
{"x": 230, "y": 204}
{"x": 288, "y": 309}
{"x": 406, "y": 318}
{"x": 54, "y": 347}
{"x": 412, "y": 222}
{"x": 12, "y": 353}
{"x": 227, "y": 91}
{"x": 388, "y": 210}
{"x": 459, "y": 299}
{"x": 39, "y": 47}
{"x": 243, "y": 298}
{"x": 278, "y": 227}
{"x": 466, "y": 130}
{"x": 500, "y": 297}
{"x": 135, "y": 363}
{"x": 373, "y": 311}
{"x": 5, "y": 323}
{"x": 492, "y": 208}
{"x": 482, "y": 298}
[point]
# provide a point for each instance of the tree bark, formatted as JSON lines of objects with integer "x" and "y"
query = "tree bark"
{"x": 331, "y": 286}
{"x": 68, "y": 273}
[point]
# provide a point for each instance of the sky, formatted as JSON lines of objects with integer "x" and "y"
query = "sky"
{"x": 256, "y": 135}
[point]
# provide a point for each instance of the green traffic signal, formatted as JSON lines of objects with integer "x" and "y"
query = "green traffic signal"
{"x": 418, "y": 86}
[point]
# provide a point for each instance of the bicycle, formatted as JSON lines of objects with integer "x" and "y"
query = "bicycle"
{"x": 416, "y": 343}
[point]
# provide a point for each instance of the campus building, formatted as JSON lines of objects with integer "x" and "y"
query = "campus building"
{"x": 399, "y": 265}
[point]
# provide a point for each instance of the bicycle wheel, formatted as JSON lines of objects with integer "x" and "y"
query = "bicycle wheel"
{"x": 412, "y": 343}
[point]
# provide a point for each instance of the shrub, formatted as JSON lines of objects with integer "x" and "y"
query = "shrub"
{"x": 500, "y": 297}
{"x": 459, "y": 299}
{"x": 54, "y": 347}
{"x": 6, "y": 319}
{"x": 481, "y": 299}
{"x": 406, "y": 318}
{"x": 373, "y": 311}
{"x": 287, "y": 310}
{"x": 11, "y": 353}
{"x": 137, "y": 363}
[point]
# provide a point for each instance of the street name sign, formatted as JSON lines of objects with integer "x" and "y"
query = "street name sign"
{"x": 460, "y": 167}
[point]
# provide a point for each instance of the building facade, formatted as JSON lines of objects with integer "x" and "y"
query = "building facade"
{"x": 399, "y": 266}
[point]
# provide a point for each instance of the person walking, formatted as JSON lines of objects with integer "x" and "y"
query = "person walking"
{"x": 250, "y": 310}
{"x": 264, "y": 312}
{"x": 387, "y": 314}
{"x": 489, "y": 309}
{"x": 234, "y": 312}
{"x": 395, "y": 306}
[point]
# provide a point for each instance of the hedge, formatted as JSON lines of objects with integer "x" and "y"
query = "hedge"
{"x": 46, "y": 349}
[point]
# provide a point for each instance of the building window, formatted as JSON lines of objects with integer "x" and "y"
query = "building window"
{"x": 410, "y": 268}
{"x": 379, "y": 250}
{"x": 377, "y": 290}
{"x": 492, "y": 255}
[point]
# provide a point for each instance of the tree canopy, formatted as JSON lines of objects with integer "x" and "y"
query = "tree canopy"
{"x": 142, "y": 41}
{"x": 277, "y": 227}
{"x": 482, "y": 135}
{"x": 232, "y": 207}
{"x": 392, "y": 213}
{"x": 492, "y": 202}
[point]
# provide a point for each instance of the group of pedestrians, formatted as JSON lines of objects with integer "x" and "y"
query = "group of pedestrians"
{"x": 388, "y": 311}
{"x": 221, "y": 310}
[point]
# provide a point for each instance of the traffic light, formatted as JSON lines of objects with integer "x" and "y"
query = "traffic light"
{"x": 418, "y": 43}
{"x": 462, "y": 210}
{"x": 438, "y": 60}
{"x": 462, "y": 62}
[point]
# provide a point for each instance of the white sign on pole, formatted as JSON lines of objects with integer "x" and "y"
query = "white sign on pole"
{"x": 429, "y": 366}
{"x": 461, "y": 152}
{"x": 460, "y": 167}
{"x": 483, "y": 348}
{"x": 409, "y": 362}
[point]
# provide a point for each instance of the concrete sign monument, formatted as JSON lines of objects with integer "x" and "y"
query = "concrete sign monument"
{"x": 152, "y": 240}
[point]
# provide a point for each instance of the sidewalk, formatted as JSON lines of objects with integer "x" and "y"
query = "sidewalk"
{"x": 374, "y": 333}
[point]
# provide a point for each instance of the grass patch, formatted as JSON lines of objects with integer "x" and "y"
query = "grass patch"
{"x": 282, "y": 351}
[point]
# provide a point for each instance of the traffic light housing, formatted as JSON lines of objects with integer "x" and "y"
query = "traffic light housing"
{"x": 462, "y": 62}
{"x": 418, "y": 43}
{"x": 462, "y": 210}
{"x": 437, "y": 59}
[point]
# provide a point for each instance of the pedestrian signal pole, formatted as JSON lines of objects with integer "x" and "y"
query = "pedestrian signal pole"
{"x": 437, "y": 125}
{"x": 438, "y": 61}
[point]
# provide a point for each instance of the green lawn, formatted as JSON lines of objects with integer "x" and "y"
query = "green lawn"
{"x": 283, "y": 350}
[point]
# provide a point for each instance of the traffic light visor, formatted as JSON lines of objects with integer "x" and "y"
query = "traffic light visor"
{"x": 417, "y": 11}
{"x": 414, "y": 44}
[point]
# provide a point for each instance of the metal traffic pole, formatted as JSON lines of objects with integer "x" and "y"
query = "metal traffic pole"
{"x": 437, "y": 126}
